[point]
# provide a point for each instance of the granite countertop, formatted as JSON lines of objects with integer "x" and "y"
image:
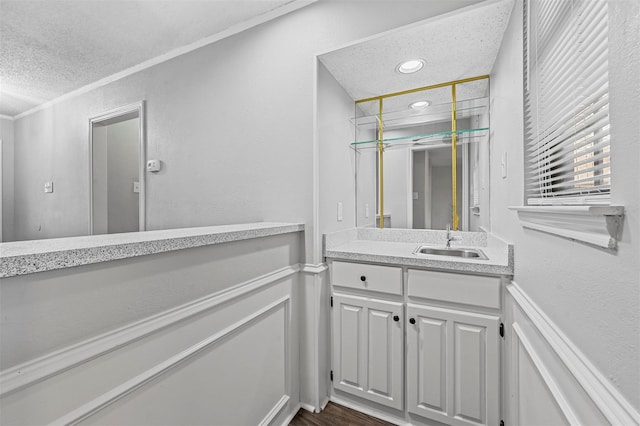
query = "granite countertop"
{"x": 26, "y": 257}
{"x": 396, "y": 247}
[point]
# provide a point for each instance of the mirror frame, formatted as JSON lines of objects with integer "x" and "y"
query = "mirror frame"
{"x": 138, "y": 107}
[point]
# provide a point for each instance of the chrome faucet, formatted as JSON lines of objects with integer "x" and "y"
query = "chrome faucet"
{"x": 449, "y": 236}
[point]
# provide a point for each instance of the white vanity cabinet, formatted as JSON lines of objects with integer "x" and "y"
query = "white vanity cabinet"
{"x": 367, "y": 348}
{"x": 452, "y": 365}
{"x": 426, "y": 343}
{"x": 368, "y": 332}
{"x": 453, "y": 353}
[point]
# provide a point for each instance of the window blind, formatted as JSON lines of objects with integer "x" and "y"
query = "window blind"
{"x": 566, "y": 98}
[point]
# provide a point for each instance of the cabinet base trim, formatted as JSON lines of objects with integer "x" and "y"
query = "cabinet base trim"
{"x": 368, "y": 411}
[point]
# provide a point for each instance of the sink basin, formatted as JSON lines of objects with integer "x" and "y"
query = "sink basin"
{"x": 454, "y": 252}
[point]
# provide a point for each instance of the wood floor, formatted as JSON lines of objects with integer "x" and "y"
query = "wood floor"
{"x": 335, "y": 415}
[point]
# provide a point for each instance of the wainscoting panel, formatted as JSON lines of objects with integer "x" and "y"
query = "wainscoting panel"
{"x": 229, "y": 358}
{"x": 549, "y": 380}
{"x": 233, "y": 378}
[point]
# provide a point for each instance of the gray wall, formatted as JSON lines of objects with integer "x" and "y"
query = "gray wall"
{"x": 7, "y": 136}
{"x": 592, "y": 295}
{"x": 232, "y": 122}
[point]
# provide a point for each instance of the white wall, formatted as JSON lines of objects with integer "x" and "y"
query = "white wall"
{"x": 7, "y": 137}
{"x": 335, "y": 132}
{"x": 232, "y": 122}
{"x": 591, "y": 295}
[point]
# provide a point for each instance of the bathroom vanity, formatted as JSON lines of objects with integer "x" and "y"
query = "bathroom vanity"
{"x": 417, "y": 337}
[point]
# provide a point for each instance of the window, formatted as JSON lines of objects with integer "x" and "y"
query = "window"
{"x": 566, "y": 102}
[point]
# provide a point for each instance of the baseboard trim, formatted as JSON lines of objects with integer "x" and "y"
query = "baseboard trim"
{"x": 367, "y": 410}
{"x": 613, "y": 406}
{"x": 310, "y": 408}
{"x": 291, "y": 415}
{"x": 87, "y": 410}
{"x": 39, "y": 369}
{"x": 324, "y": 403}
{"x": 275, "y": 411}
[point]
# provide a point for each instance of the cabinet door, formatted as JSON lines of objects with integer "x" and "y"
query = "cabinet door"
{"x": 453, "y": 366}
{"x": 368, "y": 348}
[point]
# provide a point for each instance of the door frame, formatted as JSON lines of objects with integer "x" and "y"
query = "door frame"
{"x": 139, "y": 108}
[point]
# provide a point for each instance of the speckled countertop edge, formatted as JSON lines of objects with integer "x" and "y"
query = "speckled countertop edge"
{"x": 26, "y": 257}
{"x": 396, "y": 248}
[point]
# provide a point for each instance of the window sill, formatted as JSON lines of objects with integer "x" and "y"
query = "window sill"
{"x": 596, "y": 225}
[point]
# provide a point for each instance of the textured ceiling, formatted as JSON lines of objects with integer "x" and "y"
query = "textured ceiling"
{"x": 49, "y": 48}
{"x": 458, "y": 45}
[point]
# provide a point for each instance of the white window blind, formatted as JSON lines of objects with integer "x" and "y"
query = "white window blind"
{"x": 566, "y": 102}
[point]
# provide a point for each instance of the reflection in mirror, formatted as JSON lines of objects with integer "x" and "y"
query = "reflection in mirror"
{"x": 410, "y": 175}
{"x": 117, "y": 175}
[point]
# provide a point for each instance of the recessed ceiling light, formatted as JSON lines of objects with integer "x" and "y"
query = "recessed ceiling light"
{"x": 411, "y": 66}
{"x": 419, "y": 104}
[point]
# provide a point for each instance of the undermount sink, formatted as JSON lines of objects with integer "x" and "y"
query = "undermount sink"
{"x": 455, "y": 252}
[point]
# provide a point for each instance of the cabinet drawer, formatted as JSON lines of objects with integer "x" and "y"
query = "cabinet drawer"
{"x": 385, "y": 279}
{"x": 455, "y": 288}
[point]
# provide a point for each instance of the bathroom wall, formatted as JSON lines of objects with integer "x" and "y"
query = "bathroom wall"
{"x": 6, "y": 135}
{"x": 591, "y": 295}
{"x": 232, "y": 123}
{"x": 336, "y": 176}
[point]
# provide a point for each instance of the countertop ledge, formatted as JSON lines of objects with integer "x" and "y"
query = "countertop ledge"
{"x": 395, "y": 247}
{"x": 27, "y": 257}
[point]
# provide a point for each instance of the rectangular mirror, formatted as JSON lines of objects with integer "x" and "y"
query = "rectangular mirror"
{"x": 412, "y": 173}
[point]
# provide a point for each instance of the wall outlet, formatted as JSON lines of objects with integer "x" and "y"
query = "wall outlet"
{"x": 48, "y": 187}
{"x": 340, "y": 211}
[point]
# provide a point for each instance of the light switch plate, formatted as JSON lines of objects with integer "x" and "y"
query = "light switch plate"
{"x": 48, "y": 187}
{"x": 136, "y": 187}
{"x": 339, "y": 211}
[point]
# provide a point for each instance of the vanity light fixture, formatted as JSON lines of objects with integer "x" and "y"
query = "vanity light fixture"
{"x": 419, "y": 104}
{"x": 409, "y": 67}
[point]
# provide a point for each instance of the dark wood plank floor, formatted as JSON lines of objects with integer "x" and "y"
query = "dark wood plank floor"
{"x": 335, "y": 415}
